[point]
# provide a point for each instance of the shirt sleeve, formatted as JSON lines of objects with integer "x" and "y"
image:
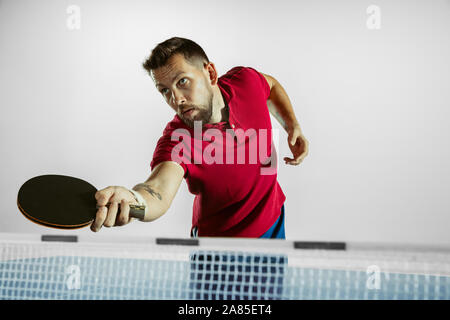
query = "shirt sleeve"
{"x": 261, "y": 80}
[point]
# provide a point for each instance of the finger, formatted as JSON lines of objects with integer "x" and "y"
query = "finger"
{"x": 112, "y": 213}
{"x": 99, "y": 219}
{"x": 293, "y": 162}
{"x": 299, "y": 159}
{"x": 288, "y": 160}
{"x": 123, "y": 216}
{"x": 103, "y": 196}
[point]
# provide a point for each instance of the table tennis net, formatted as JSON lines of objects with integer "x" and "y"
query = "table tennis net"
{"x": 39, "y": 270}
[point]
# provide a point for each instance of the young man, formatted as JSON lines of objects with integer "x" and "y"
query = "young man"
{"x": 220, "y": 141}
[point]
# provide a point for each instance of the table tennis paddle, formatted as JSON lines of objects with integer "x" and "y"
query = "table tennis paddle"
{"x": 62, "y": 202}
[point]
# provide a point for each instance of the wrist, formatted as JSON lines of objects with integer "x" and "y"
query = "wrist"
{"x": 290, "y": 126}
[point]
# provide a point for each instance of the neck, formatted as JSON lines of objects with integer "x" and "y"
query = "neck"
{"x": 220, "y": 111}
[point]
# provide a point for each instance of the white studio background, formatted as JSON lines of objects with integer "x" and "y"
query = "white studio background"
{"x": 369, "y": 81}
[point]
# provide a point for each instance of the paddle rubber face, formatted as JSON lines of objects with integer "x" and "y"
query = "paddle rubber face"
{"x": 58, "y": 201}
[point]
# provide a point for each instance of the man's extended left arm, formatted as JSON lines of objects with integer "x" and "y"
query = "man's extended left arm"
{"x": 281, "y": 108}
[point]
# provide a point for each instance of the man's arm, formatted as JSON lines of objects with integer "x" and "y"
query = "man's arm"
{"x": 280, "y": 107}
{"x": 160, "y": 188}
{"x": 158, "y": 192}
{"x": 279, "y": 104}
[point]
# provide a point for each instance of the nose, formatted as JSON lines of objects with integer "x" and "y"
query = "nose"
{"x": 177, "y": 98}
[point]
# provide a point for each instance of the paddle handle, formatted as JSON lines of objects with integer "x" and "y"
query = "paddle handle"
{"x": 136, "y": 211}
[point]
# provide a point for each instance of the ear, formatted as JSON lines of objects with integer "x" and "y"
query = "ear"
{"x": 213, "y": 75}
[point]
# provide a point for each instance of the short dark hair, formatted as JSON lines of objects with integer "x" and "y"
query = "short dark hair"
{"x": 191, "y": 51}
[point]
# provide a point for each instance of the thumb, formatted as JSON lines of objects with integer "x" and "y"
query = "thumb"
{"x": 292, "y": 140}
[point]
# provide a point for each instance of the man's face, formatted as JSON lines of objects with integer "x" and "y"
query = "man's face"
{"x": 186, "y": 89}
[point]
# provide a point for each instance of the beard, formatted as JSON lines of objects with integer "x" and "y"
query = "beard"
{"x": 203, "y": 113}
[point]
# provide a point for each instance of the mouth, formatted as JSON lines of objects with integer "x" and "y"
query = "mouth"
{"x": 188, "y": 111}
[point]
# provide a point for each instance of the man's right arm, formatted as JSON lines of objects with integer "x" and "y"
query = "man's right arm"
{"x": 158, "y": 192}
{"x": 160, "y": 188}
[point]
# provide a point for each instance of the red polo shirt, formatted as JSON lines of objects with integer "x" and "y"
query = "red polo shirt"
{"x": 226, "y": 164}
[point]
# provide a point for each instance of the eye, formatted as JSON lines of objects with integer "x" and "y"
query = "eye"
{"x": 162, "y": 91}
{"x": 182, "y": 80}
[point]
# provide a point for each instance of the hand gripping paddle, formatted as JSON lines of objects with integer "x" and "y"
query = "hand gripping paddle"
{"x": 62, "y": 202}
